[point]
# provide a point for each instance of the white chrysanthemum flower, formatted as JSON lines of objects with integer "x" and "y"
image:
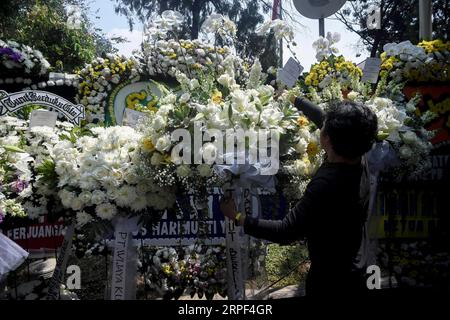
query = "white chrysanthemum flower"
{"x": 139, "y": 204}
{"x": 106, "y": 211}
{"x": 98, "y": 197}
{"x": 125, "y": 196}
{"x": 66, "y": 197}
{"x": 131, "y": 177}
{"x": 77, "y": 204}
{"x": 85, "y": 197}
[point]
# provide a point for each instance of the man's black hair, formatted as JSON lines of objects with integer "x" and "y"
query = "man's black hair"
{"x": 352, "y": 128}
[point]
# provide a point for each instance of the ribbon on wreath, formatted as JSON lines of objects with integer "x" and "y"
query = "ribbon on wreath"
{"x": 124, "y": 268}
{"x": 61, "y": 263}
{"x": 378, "y": 159}
{"x": 246, "y": 178}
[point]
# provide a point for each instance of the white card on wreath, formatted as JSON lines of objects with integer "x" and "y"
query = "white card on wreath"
{"x": 371, "y": 70}
{"x": 43, "y": 118}
{"x": 290, "y": 72}
{"x": 131, "y": 117}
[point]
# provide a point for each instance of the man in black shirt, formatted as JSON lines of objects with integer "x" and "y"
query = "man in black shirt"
{"x": 332, "y": 212}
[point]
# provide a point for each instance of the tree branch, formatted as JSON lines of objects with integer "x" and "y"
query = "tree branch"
{"x": 349, "y": 26}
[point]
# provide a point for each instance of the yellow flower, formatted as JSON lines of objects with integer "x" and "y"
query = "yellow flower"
{"x": 302, "y": 121}
{"x": 166, "y": 269}
{"x": 134, "y": 98}
{"x": 147, "y": 145}
{"x": 216, "y": 96}
{"x": 307, "y": 163}
{"x": 152, "y": 105}
{"x": 312, "y": 149}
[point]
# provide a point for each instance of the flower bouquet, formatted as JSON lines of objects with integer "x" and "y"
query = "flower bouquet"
{"x": 423, "y": 69}
{"x": 24, "y": 155}
{"x": 399, "y": 124}
{"x": 194, "y": 270}
{"x": 98, "y": 81}
{"x": 423, "y": 63}
{"x": 330, "y": 68}
{"x": 19, "y": 60}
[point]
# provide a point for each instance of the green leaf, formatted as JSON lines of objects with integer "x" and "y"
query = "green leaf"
{"x": 13, "y": 149}
{"x": 382, "y": 135}
{"x": 48, "y": 173}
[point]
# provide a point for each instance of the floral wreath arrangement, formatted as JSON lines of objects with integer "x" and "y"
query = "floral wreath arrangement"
{"x": 98, "y": 173}
{"x": 23, "y": 67}
{"x": 19, "y": 60}
{"x": 98, "y": 178}
{"x": 24, "y": 155}
{"x": 193, "y": 270}
{"x": 219, "y": 100}
{"x": 91, "y": 176}
{"x": 424, "y": 69}
{"x": 147, "y": 177}
{"x": 330, "y": 67}
{"x": 423, "y": 63}
{"x": 99, "y": 79}
{"x": 398, "y": 123}
{"x": 164, "y": 53}
{"x": 161, "y": 57}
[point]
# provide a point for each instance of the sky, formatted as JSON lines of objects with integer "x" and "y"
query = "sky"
{"x": 305, "y": 34}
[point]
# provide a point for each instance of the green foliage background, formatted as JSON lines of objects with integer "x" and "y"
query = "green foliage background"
{"x": 42, "y": 25}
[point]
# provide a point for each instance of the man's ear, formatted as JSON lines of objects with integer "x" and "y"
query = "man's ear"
{"x": 324, "y": 137}
{"x": 325, "y": 141}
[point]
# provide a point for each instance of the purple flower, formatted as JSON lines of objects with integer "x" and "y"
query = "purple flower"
{"x": 1, "y": 216}
{"x": 15, "y": 56}
{"x": 21, "y": 185}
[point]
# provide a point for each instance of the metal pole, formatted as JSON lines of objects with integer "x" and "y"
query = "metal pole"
{"x": 425, "y": 20}
{"x": 281, "y": 40}
{"x": 322, "y": 27}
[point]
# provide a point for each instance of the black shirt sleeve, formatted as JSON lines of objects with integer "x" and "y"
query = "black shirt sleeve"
{"x": 297, "y": 222}
{"x": 313, "y": 112}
